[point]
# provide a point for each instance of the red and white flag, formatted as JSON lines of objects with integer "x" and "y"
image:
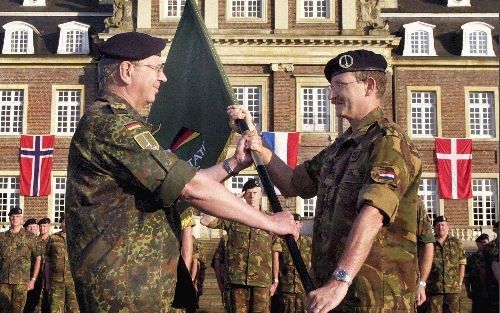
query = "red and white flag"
{"x": 36, "y": 159}
{"x": 454, "y": 166}
{"x": 284, "y": 145}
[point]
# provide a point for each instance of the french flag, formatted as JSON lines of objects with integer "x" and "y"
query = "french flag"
{"x": 284, "y": 145}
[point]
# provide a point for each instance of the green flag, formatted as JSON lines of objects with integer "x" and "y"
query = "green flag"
{"x": 190, "y": 109}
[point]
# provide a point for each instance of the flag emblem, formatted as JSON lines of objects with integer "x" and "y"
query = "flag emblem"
{"x": 36, "y": 159}
{"x": 133, "y": 125}
{"x": 184, "y": 135}
{"x": 454, "y": 167}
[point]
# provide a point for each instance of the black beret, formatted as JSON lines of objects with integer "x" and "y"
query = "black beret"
{"x": 483, "y": 237}
{"x": 15, "y": 210}
{"x": 353, "y": 61}
{"x": 44, "y": 220}
{"x": 251, "y": 183}
{"x": 296, "y": 217}
{"x": 29, "y": 221}
{"x": 132, "y": 46}
{"x": 439, "y": 219}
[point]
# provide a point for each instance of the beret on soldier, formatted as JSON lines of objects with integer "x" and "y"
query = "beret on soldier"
{"x": 29, "y": 221}
{"x": 15, "y": 210}
{"x": 440, "y": 219}
{"x": 44, "y": 220}
{"x": 251, "y": 183}
{"x": 353, "y": 61}
{"x": 132, "y": 46}
{"x": 483, "y": 237}
{"x": 296, "y": 217}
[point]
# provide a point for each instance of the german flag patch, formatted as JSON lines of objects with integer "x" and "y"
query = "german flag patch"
{"x": 133, "y": 125}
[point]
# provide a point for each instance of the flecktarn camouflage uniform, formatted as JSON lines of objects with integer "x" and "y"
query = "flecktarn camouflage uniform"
{"x": 249, "y": 253}
{"x": 220, "y": 256}
{"x": 35, "y": 296}
{"x": 375, "y": 164}
{"x": 292, "y": 295}
{"x": 62, "y": 288}
{"x": 123, "y": 238}
{"x": 444, "y": 279}
{"x": 16, "y": 251}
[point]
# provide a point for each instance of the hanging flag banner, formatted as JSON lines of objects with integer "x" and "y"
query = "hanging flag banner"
{"x": 454, "y": 167}
{"x": 36, "y": 159}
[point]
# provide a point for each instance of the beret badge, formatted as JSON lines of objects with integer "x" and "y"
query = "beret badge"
{"x": 346, "y": 61}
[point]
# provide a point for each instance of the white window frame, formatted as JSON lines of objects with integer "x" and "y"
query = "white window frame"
{"x": 13, "y": 199}
{"x": 494, "y": 112}
{"x": 473, "y": 27}
{"x": 328, "y": 18}
{"x": 301, "y": 203}
{"x": 428, "y": 191}
{"x": 65, "y": 30}
{"x": 65, "y": 109}
{"x": 303, "y": 82}
{"x": 165, "y": 15}
{"x": 436, "y": 90}
{"x": 10, "y": 29}
{"x": 412, "y": 28}
{"x": 484, "y": 221}
{"x": 246, "y": 18}
{"x": 58, "y": 196}
{"x": 24, "y": 89}
{"x": 34, "y": 3}
{"x": 262, "y": 83}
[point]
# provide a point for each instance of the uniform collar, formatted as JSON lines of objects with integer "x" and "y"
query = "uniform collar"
{"x": 357, "y": 133}
{"x": 118, "y": 103}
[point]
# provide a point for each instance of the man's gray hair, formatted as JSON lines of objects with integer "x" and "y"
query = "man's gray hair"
{"x": 107, "y": 71}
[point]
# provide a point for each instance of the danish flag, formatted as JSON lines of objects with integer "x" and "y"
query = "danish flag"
{"x": 36, "y": 159}
{"x": 454, "y": 166}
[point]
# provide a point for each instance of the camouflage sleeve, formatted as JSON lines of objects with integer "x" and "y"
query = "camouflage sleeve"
{"x": 425, "y": 233}
{"x": 121, "y": 150}
{"x": 389, "y": 176}
{"x": 463, "y": 256}
{"x": 36, "y": 250}
{"x": 305, "y": 176}
{"x": 187, "y": 218}
{"x": 277, "y": 244}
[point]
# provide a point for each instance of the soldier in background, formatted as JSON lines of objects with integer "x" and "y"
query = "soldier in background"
{"x": 249, "y": 258}
{"x": 31, "y": 226}
{"x": 43, "y": 305}
{"x": 33, "y": 297}
{"x": 17, "y": 248}
{"x": 492, "y": 272}
{"x": 58, "y": 274}
{"x": 198, "y": 267}
{"x": 448, "y": 270}
{"x": 425, "y": 251}
{"x": 221, "y": 273}
{"x": 475, "y": 283}
{"x": 291, "y": 294}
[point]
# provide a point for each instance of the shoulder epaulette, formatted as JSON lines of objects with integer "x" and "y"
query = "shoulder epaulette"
{"x": 118, "y": 107}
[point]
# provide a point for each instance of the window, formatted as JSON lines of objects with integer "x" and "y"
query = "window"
{"x": 11, "y": 112}
{"x": 246, "y": 8}
{"x": 9, "y": 196}
{"x": 68, "y": 110}
{"x": 428, "y": 191}
{"x": 423, "y": 113}
{"x": 309, "y": 207}
{"x": 477, "y": 39}
{"x": 59, "y": 194}
{"x": 237, "y": 182}
{"x": 315, "y": 8}
{"x": 484, "y": 202}
{"x": 481, "y": 114}
{"x": 174, "y": 8}
{"x": 73, "y": 38}
{"x": 19, "y": 38}
{"x": 419, "y": 39}
{"x": 315, "y": 108}
{"x": 251, "y": 98}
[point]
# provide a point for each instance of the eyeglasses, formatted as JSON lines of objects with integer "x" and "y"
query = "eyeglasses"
{"x": 157, "y": 68}
{"x": 337, "y": 85}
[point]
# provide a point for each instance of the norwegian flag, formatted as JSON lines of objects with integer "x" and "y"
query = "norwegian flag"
{"x": 36, "y": 158}
{"x": 454, "y": 166}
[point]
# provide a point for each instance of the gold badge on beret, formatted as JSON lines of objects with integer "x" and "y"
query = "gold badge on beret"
{"x": 146, "y": 141}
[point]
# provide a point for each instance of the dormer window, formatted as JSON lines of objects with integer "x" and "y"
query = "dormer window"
{"x": 73, "y": 38}
{"x": 18, "y": 38}
{"x": 34, "y": 3}
{"x": 477, "y": 39}
{"x": 458, "y": 3}
{"x": 419, "y": 39}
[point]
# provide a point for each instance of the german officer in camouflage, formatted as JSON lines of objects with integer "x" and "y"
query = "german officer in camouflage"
{"x": 366, "y": 182}
{"x": 425, "y": 250}
{"x": 249, "y": 253}
{"x": 123, "y": 233}
{"x": 62, "y": 296}
{"x": 17, "y": 248}
{"x": 448, "y": 270}
{"x": 292, "y": 296}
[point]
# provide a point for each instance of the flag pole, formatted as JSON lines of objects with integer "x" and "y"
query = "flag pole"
{"x": 276, "y": 207}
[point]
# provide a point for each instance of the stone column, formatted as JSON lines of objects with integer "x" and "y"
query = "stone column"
{"x": 281, "y": 15}
{"x": 282, "y": 109}
{"x": 144, "y": 14}
{"x": 212, "y": 14}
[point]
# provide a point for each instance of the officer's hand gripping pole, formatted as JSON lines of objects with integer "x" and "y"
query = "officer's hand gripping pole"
{"x": 276, "y": 207}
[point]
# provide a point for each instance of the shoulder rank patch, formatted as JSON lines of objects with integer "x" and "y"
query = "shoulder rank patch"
{"x": 132, "y": 125}
{"x": 146, "y": 141}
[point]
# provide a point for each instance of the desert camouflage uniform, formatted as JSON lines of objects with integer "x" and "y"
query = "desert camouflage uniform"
{"x": 292, "y": 295}
{"x": 123, "y": 238}
{"x": 375, "y": 164}
{"x": 425, "y": 235}
{"x": 490, "y": 253}
{"x": 444, "y": 279}
{"x": 62, "y": 288}
{"x": 249, "y": 253}
{"x": 219, "y": 255}
{"x": 35, "y": 296}
{"x": 16, "y": 251}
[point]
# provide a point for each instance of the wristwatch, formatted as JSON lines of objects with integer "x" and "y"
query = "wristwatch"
{"x": 225, "y": 165}
{"x": 422, "y": 283}
{"x": 341, "y": 275}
